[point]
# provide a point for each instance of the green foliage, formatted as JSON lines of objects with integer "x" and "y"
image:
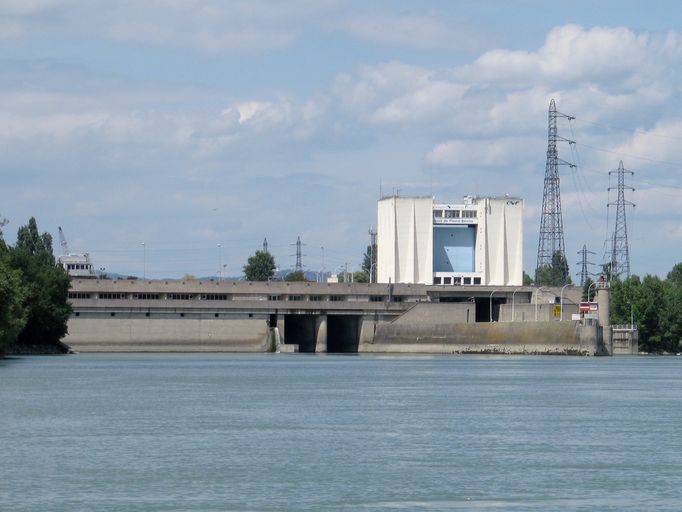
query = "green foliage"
{"x": 45, "y": 284}
{"x": 367, "y": 262}
{"x": 589, "y": 287}
{"x": 527, "y": 280}
{"x": 655, "y": 306}
{"x": 260, "y": 267}
{"x": 555, "y": 274}
{"x": 361, "y": 277}
{"x": 355, "y": 277}
{"x": 295, "y": 276}
{"x": 12, "y": 300}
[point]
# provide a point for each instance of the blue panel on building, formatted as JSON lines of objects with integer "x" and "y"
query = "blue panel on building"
{"x": 453, "y": 248}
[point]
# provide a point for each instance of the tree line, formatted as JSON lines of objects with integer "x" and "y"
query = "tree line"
{"x": 654, "y": 305}
{"x": 34, "y": 307}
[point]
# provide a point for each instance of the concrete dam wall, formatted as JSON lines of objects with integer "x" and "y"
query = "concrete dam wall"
{"x": 152, "y": 316}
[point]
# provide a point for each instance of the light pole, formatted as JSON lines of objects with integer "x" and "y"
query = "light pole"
{"x": 513, "y": 293}
{"x": 561, "y": 302}
{"x": 144, "y": 261}
{"x": 537, "y": 292}
{"x": 588, "y": 290}
{"x": 491, "y": 304}
{"x": 220, "y": 263}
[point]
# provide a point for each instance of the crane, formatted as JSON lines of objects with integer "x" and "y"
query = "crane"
{"x": 62, "y": 242}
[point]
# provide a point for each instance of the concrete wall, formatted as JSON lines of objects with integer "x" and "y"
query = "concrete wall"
{"x": 405, "y": 240}
{"x": 140, "y": 334}
{"x": 439, "y": 313}
{"x": 500, "y": 240}
{"x": 565, "y": 338}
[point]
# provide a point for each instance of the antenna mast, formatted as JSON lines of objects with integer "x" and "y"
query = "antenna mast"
{"x": 551, "y": 239}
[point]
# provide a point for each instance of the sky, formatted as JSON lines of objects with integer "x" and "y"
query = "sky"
{"x": 170, "y": 137}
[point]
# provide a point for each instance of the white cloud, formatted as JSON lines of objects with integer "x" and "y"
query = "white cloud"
{"x": 430, "y": 31}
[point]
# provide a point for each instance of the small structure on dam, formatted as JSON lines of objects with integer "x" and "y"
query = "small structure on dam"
{"x": 211, "y": 316}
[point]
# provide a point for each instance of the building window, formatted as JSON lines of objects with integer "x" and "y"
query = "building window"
{"x": 146, "y": 296}
{"x": 447, "y": 280}
{"x": 477, "y": 280}
{"x": 214, "y": 296}
{"x": 79, "y": 295}
{"x": 111, "y": 296}
{"x": 457, "y": 280}
{"x": 467, "y": 280}
{"x": 337, "y": 298}
{"x": 452, "y": 214}
{"x": 376, "y": 298}
{"x": 294, "y": 297}
{"x": 438, "y": 214}
{"x": 315, "y": 298}
{"x": 180, "y": 296}
{"x": 468, "y": 214}
{"x": 274, "y": 297}
{"x": 436, "y": 280}
{"x": 397, "y": 298}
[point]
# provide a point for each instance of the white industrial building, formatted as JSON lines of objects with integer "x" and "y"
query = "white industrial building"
{"x": 477, "y": 242}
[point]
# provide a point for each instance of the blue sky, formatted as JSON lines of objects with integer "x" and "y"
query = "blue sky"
{"x": 188, "y": 124}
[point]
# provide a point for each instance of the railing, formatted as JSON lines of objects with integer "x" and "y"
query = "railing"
{"x": 624, "y": 327}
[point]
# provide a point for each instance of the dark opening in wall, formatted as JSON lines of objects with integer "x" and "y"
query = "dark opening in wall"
{"x": 300, "y": 329}
{"x": 343, "y": 333}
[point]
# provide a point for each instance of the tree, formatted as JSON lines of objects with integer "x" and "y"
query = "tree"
{"x": 12, "y": 297}
{"x": 46, "y": 286}
{"x": 296, "y": 275}
{"x": 555, "y": 274}
{"x": 355, "y": 277}
{"x": 527, "y": 280}
{"x": 369, "y": 259}
{"x": 589, "y": 290}
{"x": 260, "y": 267}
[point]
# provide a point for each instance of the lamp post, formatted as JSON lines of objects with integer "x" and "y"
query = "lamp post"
{"x": 537, "y": 292}
{"x": 588, "y": 290}
{"x": 491, "y": 304}
{"x": 513, "y": 315}
{"x": 561, "y": 302}
{"x": 144, "y": 261}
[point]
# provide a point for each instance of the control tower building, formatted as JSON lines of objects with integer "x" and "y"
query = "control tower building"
{"x": 476, "y": 242}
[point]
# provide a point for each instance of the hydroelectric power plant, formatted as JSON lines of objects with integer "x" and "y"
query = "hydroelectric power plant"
{"x": 448, "y": 278}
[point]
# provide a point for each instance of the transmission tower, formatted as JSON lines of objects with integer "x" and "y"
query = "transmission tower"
{"x": 265, "y": 245}
{"x": 584, "y": 273}
{"x": 551, "y": 239}
{"x": 620, "y": 250}
{"x": 299, "y": 264}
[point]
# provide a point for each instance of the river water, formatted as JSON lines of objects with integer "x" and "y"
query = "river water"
{"x": 276, "y": 432}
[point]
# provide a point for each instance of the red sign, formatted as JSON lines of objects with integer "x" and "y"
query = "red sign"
{"x": 586, "y": 307}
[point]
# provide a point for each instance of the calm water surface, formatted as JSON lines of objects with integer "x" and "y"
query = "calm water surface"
{"x": 339, "y": 433}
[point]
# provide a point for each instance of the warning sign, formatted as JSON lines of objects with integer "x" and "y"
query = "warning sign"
{"x": 557, "y": 311}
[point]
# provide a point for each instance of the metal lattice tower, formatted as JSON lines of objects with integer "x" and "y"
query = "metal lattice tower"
{"x": 584, "y": 273}
{"x": 299, "y": 264}
{"x": 551, "y": 239}
{"x": 620, "y": 250}
{"x": 265, "y": 245}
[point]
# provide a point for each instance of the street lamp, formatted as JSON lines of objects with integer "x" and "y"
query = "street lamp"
{"x": 594, "y": 283}
{"x": 537, "y": 292}
{"x": 561, "y": 302}
{"x": 491, "y": 304}
{"x": 513, "y": 293}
